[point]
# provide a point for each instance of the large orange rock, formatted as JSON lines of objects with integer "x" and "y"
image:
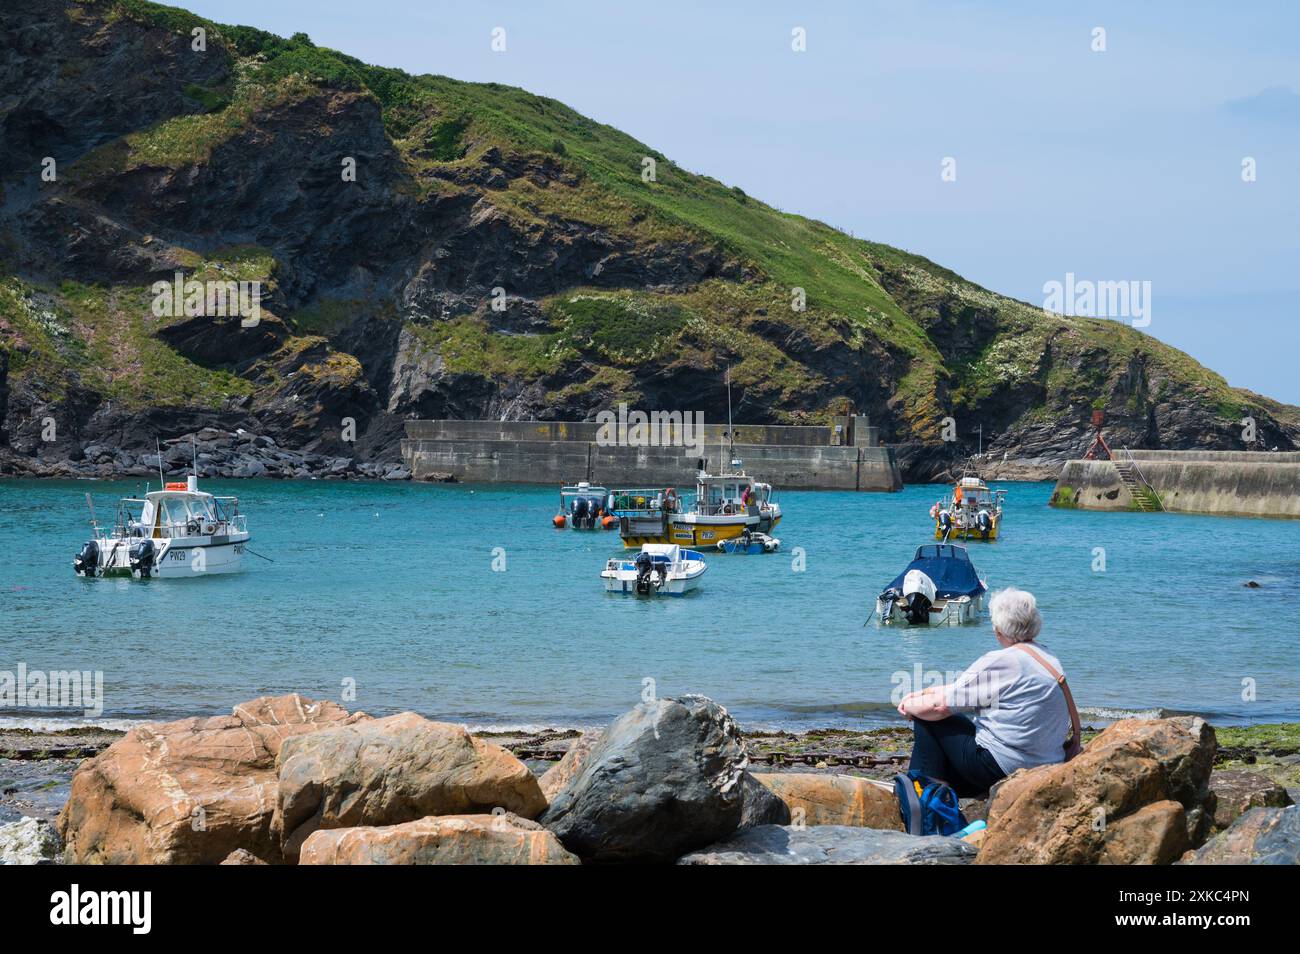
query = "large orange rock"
{"x": 833, "y": 799}
{"x": 1138, "y": 794}
{"x": 188, "y": 792}
{"x": 501, "y": 839}
{"x": 559, "y": 774}
{"x": 393, "y": 770}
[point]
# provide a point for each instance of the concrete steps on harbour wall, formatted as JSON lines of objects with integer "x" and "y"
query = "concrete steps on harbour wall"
{"x": 1257, "y": 484}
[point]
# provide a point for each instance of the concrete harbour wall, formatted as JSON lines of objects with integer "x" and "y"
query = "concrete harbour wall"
{"x": 555, "y": 453}
{"x": 1257, "y": 484}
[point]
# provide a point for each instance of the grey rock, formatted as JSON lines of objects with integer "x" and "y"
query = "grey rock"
{"x": 30, "y": 841}
{"x": 831, "y": 845}
{"x": 664, "y": 779}
{"x": 762, "y": 807}
{"x": 1262, "y": 836}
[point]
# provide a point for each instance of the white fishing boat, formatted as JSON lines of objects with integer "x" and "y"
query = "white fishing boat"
{"x": 660, "y": 569}
{"x": 938, "y": 588}
{"x": 179, "y": 531}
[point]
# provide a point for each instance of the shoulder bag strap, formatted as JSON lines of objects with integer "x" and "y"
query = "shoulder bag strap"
{"x": 1076, "y": 730}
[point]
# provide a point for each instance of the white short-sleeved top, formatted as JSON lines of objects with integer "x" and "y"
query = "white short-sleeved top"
{"x": 1020, "y": 712}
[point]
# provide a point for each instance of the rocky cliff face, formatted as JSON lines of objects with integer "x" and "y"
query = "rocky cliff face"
{"x": 429, "y": 248}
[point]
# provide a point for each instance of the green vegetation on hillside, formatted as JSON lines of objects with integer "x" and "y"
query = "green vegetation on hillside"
{"x": 795, "y": 289}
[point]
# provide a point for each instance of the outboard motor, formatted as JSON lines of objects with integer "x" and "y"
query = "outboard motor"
{"x": 580, "y": 507}
{"x": 918, "y": 610}
{"x": 984, "y": 521}
{"x": 945, "y": 523}
{"x": 918, "y": 594}
{"x": 142, "y": 557}
{"x": 86, "y": 563}
{"x": 644, "y": 567}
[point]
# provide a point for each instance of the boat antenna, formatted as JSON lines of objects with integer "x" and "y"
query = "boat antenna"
{"x": 158, "y": 454}
{"x": 194, "y": 456}
{"x": 731, "y": 431}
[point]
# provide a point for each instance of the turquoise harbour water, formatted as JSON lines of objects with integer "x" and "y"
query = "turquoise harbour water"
{"x": 392, "y": 585}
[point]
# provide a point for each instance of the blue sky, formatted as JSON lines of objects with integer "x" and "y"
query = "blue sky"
{"x": 1116, "y": 165}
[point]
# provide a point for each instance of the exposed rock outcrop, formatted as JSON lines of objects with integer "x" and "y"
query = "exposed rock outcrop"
{"x": 192, "y": 791}
{"x": 1262, "y": 836}
{"x": 831, "y": 845}
{"x": 1137, "y": 794}
{"x": 815, "y": 799}
{"x": 392, "y": 770}
{"x": 663, "y": 779}
{"x": 499, "y": 839}
{"x": 1237, "y": 791}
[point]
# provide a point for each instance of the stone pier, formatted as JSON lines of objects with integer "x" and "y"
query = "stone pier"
{"x": 1243, "y": 483}
{"x": 845, "y": 455}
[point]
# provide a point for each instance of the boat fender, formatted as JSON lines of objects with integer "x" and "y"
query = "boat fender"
{"x": 934, "y": 512}
{"x": 558, "y": 521}
{"x": 609, "y": 521}
{"x": 86, "y": 563}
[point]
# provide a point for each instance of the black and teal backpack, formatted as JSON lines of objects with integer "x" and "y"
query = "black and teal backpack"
{"x": 928, "y": 807}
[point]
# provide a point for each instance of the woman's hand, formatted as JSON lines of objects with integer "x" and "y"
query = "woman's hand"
{"x": 925, "y": 704}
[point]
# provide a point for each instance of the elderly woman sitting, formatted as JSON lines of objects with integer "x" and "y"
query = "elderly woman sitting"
{"x": 1022, "y": 716}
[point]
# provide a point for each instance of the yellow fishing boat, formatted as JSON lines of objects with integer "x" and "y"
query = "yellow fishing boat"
{"x": 970, "y": 512}
{"x": 722, "y": 507}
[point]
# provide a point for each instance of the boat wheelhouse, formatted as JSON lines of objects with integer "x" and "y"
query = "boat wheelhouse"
{"x": 179, "y": 531}
{"x": 722, "y": 507}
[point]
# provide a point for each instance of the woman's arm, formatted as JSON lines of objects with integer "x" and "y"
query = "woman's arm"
{"x": 927, "y": 704}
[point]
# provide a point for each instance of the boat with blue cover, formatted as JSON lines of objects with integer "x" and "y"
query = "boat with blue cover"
{"x": 940, "y": 587}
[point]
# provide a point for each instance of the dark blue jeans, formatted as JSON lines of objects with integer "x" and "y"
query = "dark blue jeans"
{"x": 946, "y": 750}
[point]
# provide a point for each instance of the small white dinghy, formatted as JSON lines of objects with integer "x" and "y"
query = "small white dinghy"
{"x": 750, "y": 542}
{"x": 178, "y": 531}
{"x": 660, "y": 569}
{"x": 939, "y": 588}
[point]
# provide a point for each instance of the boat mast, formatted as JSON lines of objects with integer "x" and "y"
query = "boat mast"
{"x": 731, "y": 431}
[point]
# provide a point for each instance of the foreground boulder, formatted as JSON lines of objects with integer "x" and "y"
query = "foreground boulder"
{"x": 500, "y": 839}
{"x": 663, "y": 779}
{"x": 189, "y": 792}
{"x": 559, "y": 774}
{"x": 831, "y": 845}
{"x": 1138, "y": 794}
{"x": 834, "y": 799}
{"x": 241, "y": 857}
{"x": 1236, "y": 791}
{"x": 398, "y": 769}
{"x": 1262, "y": 836}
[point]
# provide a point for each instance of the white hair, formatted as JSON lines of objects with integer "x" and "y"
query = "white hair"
{"x": 1015, "y": 614}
